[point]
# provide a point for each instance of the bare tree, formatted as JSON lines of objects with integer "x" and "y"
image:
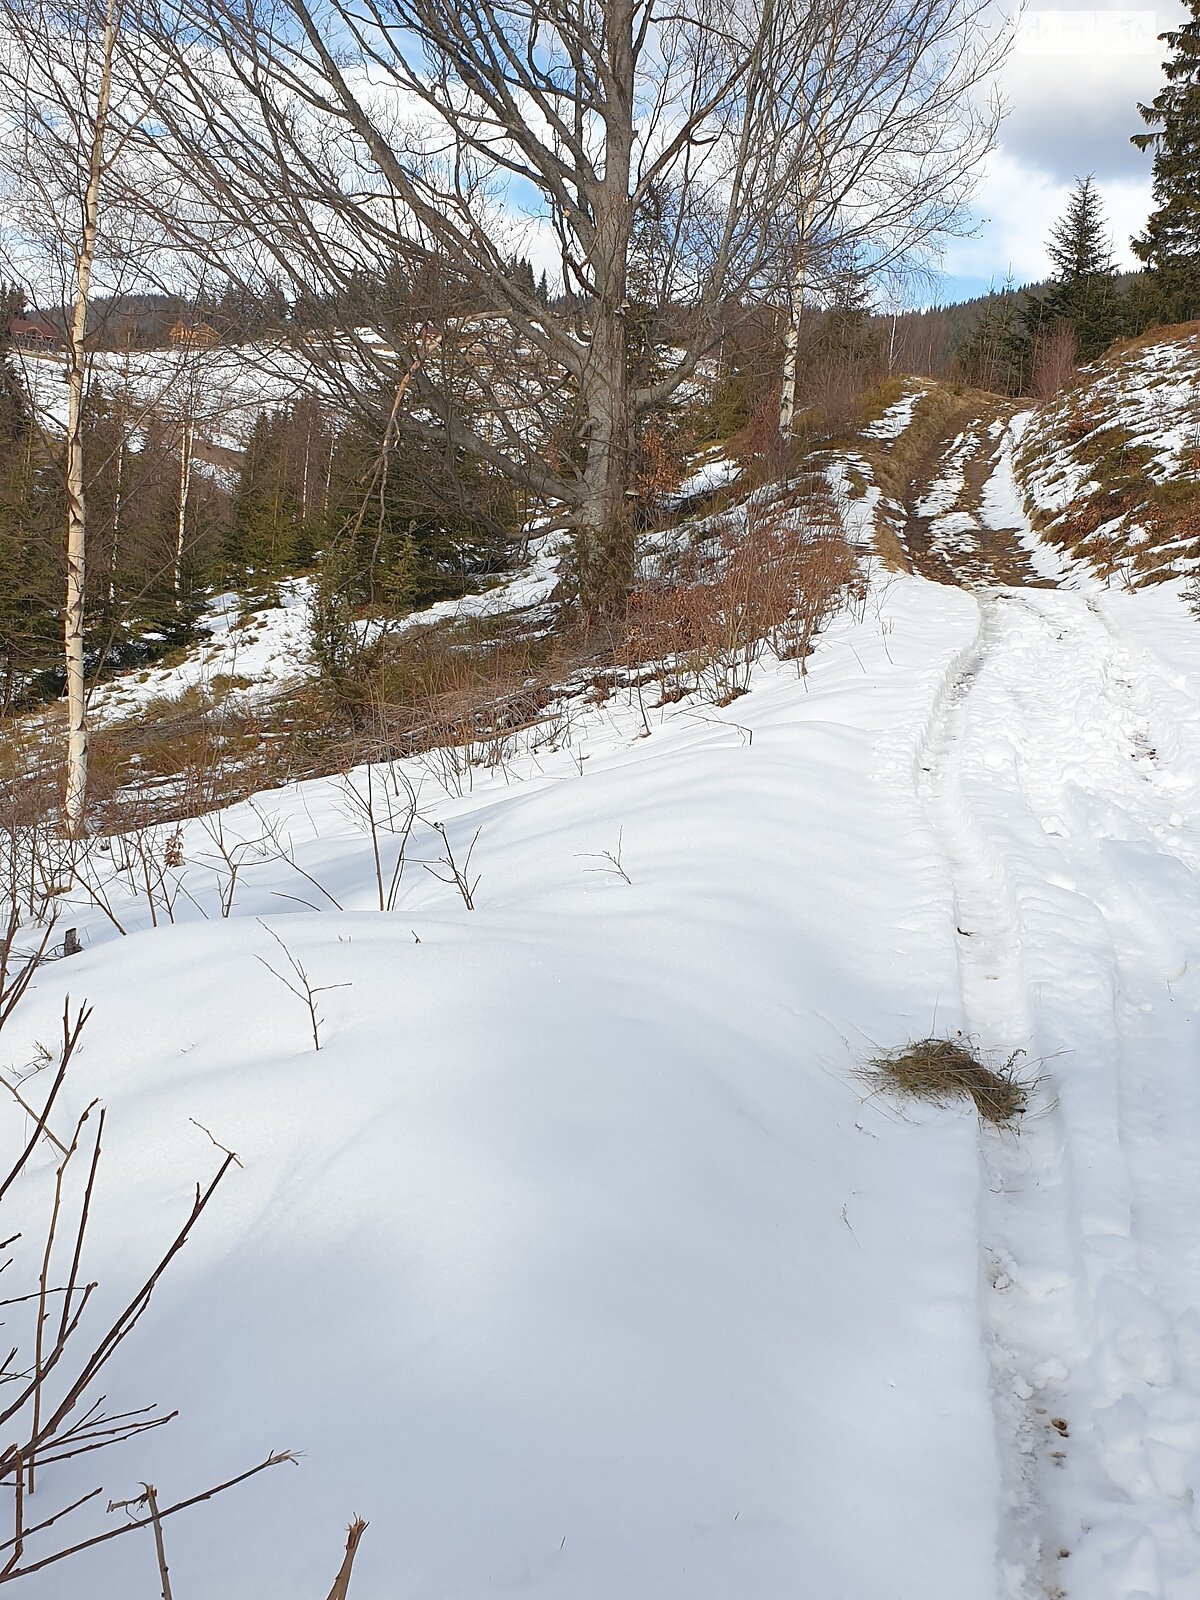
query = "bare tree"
{"x": 57, "y": 78}
{"x": 70, "y": 231}
{"x": 886, "y": 158}
{"x": 668, "y": 159}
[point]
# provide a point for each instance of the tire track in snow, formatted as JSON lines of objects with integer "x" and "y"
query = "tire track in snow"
{"x": 1034, "y": 775}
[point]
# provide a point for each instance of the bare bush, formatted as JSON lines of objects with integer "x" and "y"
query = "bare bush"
{"x": 299, "y": 984}
{"x": 50, "y": 1408}
{"x": 1055, "y": 362}
{"x": 456, "y": 872}
{"x": 771, "y": 586}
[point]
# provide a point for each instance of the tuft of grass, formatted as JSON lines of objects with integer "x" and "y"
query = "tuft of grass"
{"x": 944, "y": 1070}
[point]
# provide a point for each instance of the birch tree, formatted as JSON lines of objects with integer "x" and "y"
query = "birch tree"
{"x": 898, "y": 117}
{"x": 654, "y": 155}
{"x": 59, "y": 143}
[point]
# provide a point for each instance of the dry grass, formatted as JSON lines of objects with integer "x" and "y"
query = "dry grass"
{"x": 772, "y": 584}
{"x": 1166, "y": 333}
{"x": 942, "y": 1071}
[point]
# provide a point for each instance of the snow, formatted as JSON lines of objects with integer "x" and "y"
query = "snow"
{"x": 580, "y": 1258}
{"x": 269, "y": 649}
{"x": 896, "y": 418}
{"x": 1003, "y": 506}
{"x": 716, "y": 472}
{"x": 1075, "y": 890}
{"x": 579, "y": 1225}
{"x": 528, "y": 587}
{"x": 264, "y": 650}
{"x": 222, "y": 389}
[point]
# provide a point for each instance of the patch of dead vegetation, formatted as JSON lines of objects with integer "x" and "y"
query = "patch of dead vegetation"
{"x": 772, "y": 583}
{"x": 943, "y": 1071}
{"x": 1134, "y": 515}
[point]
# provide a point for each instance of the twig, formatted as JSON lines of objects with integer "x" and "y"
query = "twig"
{"x": 222, "y": 1148}
{"x": 341, "y": 1584}
{"x": 459, "y": 876}
{"x": 71, "y": 1034}
{"x": 30, "y": 1112}
{"x": 18, "y": 1539}
{"x": 309, "y": 991}
{"x": 159, "y": 1547}
{"x": 614, "y": 860}
{"x": 43, "y": 1284}
{"x": 40, "y": 1527}
{"x": 272, "y": 1460}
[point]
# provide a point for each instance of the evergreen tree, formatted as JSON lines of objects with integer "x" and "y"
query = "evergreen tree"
{"x": 995, "y": 354}
{"x": 30, "y": 516}
{"x": 263, "y": 526}
{"x": 1078, "y": 244}
{"x": 1084, "y": 292}
{"x": 1170, "y": 245}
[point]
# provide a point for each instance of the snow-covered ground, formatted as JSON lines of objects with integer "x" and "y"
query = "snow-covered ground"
{"x": 220, "y": 389}
{"x": 260, "y": 651}
{"x": 897, "y": 417}
{"x": 579, "y": 1258}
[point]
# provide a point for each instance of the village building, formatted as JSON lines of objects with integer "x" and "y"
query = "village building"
{"x": 191, "y": 335}
{"x": 34, "y": 334}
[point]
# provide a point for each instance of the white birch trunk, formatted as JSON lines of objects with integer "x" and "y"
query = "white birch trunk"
{"x": 75, "y": 799}
{"x": 185, "y": 486}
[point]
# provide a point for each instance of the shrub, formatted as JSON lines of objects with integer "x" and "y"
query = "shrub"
{"x": 773, "y": 587}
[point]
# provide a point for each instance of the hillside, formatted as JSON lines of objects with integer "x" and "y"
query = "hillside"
{"x": 588, "y": 1255}
{"x": 1112, "y": 469}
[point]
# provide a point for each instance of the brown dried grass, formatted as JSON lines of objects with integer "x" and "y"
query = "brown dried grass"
{"x": 942, "y": 1071}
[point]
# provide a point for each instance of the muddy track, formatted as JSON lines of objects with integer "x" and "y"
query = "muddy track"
{"x": 954, "y": 530}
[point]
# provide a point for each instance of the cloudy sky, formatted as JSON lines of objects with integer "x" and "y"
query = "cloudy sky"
{"x": 1072, "y": 84}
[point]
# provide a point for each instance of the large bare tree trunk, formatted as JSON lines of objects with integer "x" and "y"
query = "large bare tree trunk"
{"x": 605, "y": 532}
{"x": 75, "y": 803}
{"x": 604, "y": 540}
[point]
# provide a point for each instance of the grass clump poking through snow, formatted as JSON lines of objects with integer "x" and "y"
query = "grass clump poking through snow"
{"x": 943, "y": 1070}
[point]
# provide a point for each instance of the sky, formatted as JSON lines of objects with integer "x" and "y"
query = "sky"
{"x": 1072, "y": 84}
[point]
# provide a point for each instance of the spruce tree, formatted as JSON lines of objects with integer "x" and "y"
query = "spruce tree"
{"x": 1078, "y": 245}
{"x": 30, "y": 515}
{"x": 1084, "y": 291}
{"x": 1170, "y": 246}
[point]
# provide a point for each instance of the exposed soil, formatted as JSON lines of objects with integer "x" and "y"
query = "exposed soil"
{"x": 946, "y": 534}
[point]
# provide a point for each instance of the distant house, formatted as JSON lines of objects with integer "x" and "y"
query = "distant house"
{"x": 34, "y": 333}
{"x": 194, "y": 335}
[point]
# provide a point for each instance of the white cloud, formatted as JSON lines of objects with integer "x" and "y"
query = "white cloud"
{"x": 1019, "y": 204}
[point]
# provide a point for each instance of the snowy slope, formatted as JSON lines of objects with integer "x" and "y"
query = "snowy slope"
{"x": 1111, "y": 468}
{"x": 578, "y": 1227}
{"x": 579, "y": 1259}
{"x": 221, "y": 389}
{"x": 266, "y": 651}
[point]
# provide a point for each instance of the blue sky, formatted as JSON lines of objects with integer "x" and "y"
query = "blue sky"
{"x": 1072, "y": 84}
